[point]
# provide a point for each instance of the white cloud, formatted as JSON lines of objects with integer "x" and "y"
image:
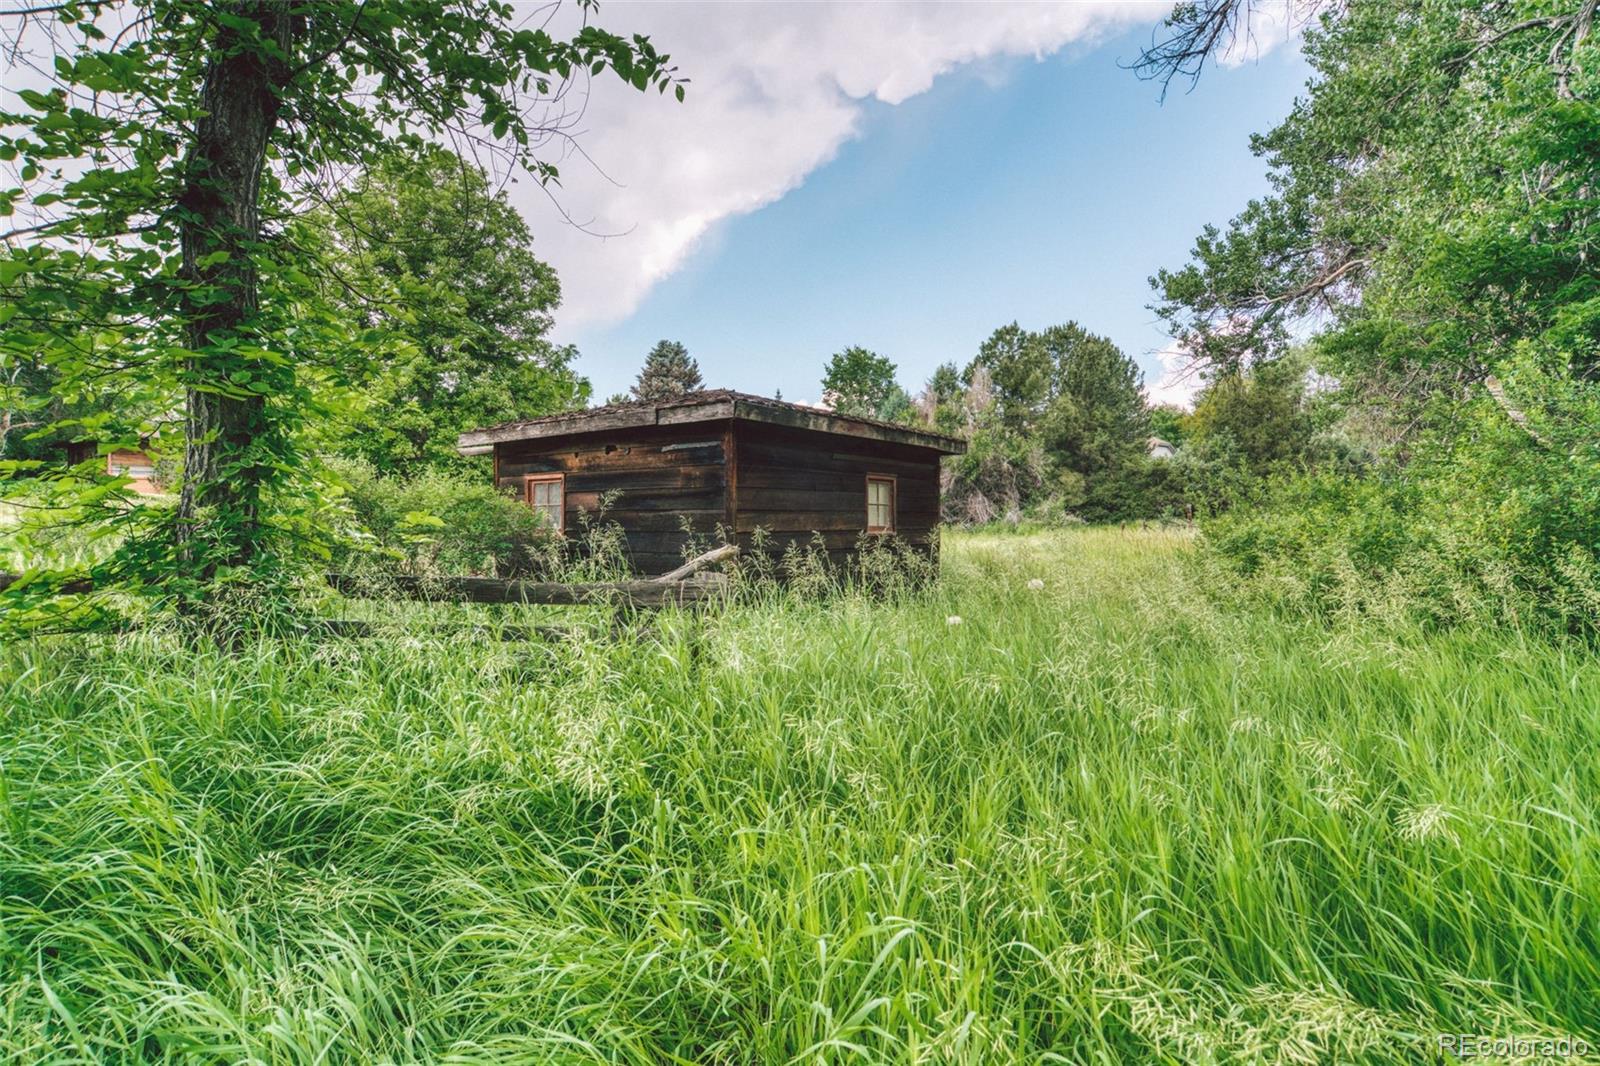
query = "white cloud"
{"x": 1179, "y": 380}
{"x": 1264, "y": 27}
{"x": 775, "y": 90}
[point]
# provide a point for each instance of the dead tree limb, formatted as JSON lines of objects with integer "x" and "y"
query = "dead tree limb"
{"x": 699, "y": 562}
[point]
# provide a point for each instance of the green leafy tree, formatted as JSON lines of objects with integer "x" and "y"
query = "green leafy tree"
{"x": 1432, "y": 226}
{"x": 1171, "y": 423}
{"x": 945, "y": 384}
{"x": 940, "y": 405}
{"x": 1069, "y": 410}
{"x": 860, "y": 382}
{"x": 1262, "y": 411}
{"x": 1001, "y": 472}
{"x": 1426, "y": 258}
{"x": 159, "y": 173}
{"x": 28, "y": 402}
{"x": 1095, "y": 419}
{"x": 444, "y": 267}
{"x": 1019, "y": 375}
{"x": 668, "y": 371}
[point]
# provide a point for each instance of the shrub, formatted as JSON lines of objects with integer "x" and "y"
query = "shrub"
{"x": 441, "y": 523}
{"x": 1503, "y": 528}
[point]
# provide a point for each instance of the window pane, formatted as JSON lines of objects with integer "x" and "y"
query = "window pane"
{"x": 545, "y": 496}
{"x": 880, "y": 504}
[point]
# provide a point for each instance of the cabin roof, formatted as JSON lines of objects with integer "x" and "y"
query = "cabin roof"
{"x": 708, "y": 405}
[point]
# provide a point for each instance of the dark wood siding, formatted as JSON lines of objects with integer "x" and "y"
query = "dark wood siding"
{"x": 795, "y": 483}
{"x": 662, "y": 476}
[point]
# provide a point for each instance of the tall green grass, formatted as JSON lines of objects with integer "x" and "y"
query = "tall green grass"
{"x": 1103, "y": 821}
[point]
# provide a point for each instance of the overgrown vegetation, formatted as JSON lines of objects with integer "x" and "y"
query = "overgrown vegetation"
{"x": 1311, "y": 793}
{"x": 1100, "y": 820}
{"x": 1434, "y": 229}
{"x": 156, "y": 265}
{"x": 440, "y": 268}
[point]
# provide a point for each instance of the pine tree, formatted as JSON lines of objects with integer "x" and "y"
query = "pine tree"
{"x": 668, "y": 372}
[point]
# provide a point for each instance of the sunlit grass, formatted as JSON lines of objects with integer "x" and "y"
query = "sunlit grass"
{"x": 1101, "y": 820}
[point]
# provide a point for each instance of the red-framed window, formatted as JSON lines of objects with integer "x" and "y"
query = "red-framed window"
{"x": 880, "y": 503}
{"x": 547, "y": 495}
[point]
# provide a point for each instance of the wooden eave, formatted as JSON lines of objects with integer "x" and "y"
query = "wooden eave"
{"x": 713, "y": 408}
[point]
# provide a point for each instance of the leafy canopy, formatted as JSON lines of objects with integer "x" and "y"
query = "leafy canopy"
{"x": 858, "y": 381}
{"x": 1433, "y": 230}
{"x": 442, "y": 266}
{"x": 1433, "y": 209}
{"x": 154, "y": 253}
{"x": 1054, "y": 418}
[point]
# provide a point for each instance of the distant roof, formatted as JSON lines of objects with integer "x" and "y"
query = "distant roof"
{"x": 706, "y": 406}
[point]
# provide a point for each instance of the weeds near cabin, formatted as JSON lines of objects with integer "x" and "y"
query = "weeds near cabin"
{"x": 437, "y": 525}
{"x": 1104, "y": 819}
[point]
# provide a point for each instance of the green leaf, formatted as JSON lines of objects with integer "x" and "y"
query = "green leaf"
{"x": 38, "y": 100}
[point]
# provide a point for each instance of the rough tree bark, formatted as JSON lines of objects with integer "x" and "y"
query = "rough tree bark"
{"x": 218, "y": 520}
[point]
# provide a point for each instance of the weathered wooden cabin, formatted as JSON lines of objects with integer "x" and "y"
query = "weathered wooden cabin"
{"x": 722, "y": 459}
{"x": 121, "y": 462}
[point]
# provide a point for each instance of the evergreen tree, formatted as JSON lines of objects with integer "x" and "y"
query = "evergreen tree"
{"x": 1095, "y": 419}
{"x": 1052, "y": 415}
{"x": 945, "y": 385}
{"x": 668, "y": 372}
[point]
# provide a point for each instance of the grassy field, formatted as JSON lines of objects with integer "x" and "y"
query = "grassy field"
{"x": 1106, "y": 820}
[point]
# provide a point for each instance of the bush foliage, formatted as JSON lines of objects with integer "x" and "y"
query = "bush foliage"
{"x": 442, "y": 523}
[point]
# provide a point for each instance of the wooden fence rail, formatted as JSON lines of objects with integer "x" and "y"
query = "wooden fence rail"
{"x": 75, "y": 587}
{"x": 642, "y": 593}
{"x": 689, "y": 583}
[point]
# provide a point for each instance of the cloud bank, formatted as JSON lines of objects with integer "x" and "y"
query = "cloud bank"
{"x": 1180, "y": 378}
{"x": 775, "y": 91}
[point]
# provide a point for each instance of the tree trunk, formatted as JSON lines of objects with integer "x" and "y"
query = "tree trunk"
{"x": 226, "y": 460}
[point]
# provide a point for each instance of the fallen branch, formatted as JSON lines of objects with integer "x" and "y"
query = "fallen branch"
{"x": 699, "y": 562}
{"x": 1517, "y": 415}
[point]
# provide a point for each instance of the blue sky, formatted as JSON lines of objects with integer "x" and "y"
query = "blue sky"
{"x": 1013, "y": 188}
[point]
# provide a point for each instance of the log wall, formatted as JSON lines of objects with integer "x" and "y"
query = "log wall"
{"x": 662, "y": 477}
{"x": 737, "y": 475}
{"x": 795, "y": 483}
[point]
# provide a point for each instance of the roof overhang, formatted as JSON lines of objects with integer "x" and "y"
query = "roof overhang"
{"x": 715, "y": 408}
